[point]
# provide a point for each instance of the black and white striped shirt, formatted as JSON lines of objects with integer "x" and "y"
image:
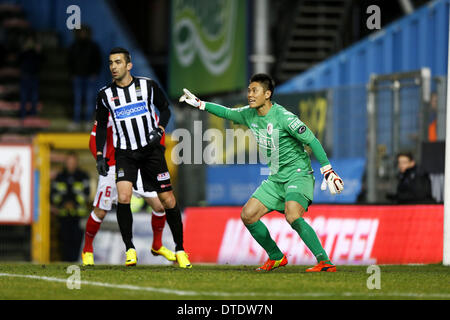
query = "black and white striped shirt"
{"x": 133, "y": 111}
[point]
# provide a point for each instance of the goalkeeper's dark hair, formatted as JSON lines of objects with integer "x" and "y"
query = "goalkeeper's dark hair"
{"x": 123, "y": 51}
{"x": 265, "y": 80}
{"x": 407, "y": 154}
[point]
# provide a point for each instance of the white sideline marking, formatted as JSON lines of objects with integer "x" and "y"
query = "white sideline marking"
{"x": 231, "y": 294}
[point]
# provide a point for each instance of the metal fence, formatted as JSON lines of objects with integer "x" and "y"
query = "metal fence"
{"x": 349, "y": 121}
{"x": 398, "y": 114}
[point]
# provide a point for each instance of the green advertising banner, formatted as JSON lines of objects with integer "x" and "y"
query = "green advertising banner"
{"x": 208, "y": 50}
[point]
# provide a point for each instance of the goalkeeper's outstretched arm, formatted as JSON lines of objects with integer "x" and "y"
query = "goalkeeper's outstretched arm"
{"x": 227, "y": 113}
{"x": 216, "y": 109}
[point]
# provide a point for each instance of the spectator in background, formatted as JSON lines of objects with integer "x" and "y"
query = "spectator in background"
{"x": 84, "y": 60}
{"x": 70, "y": 198}
{"x": 413, "y": 186}
{"x": 3, "y": 48}
{"x": 30, "y": 60}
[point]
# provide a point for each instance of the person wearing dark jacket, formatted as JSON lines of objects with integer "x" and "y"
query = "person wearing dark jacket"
{"x": 70, "y": 199}
{"x": 30, "y": 60}
{"x": 413, "y": 186}
{"x": 84, "y": 61}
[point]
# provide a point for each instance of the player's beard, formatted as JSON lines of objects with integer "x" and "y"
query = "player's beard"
{"x": 118, "y": 77}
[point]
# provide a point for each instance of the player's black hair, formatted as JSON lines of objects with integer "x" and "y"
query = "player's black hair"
{"x": 124, "y": 51}
{"x": 265, "y": 80}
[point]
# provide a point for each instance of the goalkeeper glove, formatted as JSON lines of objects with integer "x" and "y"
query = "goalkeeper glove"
{"x": 331, "y": 179}
{"x": 102, "y": 165}
{"x": 192, "y": 100}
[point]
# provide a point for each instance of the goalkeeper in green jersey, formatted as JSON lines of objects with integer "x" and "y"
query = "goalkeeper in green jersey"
{"x": 290, "y": 185}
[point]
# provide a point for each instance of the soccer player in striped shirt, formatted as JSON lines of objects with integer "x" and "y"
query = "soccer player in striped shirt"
{"x": 132, "y": 102}
{"x": 106, "y": 196}
{"x": 290, "y": 185}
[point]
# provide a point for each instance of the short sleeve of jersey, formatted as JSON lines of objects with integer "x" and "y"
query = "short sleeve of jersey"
{"x": 297, "y": 128}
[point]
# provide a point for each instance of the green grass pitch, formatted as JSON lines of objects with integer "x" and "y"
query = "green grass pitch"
{"x": 222, "y": 282}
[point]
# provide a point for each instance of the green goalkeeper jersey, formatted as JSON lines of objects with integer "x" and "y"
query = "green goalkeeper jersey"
{"x": 280, "y": 135}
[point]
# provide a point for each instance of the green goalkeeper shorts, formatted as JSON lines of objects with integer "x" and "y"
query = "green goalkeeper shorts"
{"x": 273, "y": 195}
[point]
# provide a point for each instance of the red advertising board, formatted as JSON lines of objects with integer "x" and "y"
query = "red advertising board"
{"x": 350, "y": 235}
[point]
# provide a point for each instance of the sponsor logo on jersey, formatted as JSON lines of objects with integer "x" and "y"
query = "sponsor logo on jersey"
{"x": 295, "y": 124}
{"x": 264, "y": 141}
{"x": 131, "y": 110}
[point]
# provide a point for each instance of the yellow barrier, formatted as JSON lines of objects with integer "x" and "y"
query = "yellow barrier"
{"x": 43, "y": 142}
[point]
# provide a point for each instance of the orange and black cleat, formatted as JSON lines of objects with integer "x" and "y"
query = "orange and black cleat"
{"x": 323, "y": 266}
{"x": 273, "y": 264}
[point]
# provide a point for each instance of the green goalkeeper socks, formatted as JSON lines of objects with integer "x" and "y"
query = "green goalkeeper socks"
{"x": 261, "y": 234}
{"x": 309, "y": 237}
